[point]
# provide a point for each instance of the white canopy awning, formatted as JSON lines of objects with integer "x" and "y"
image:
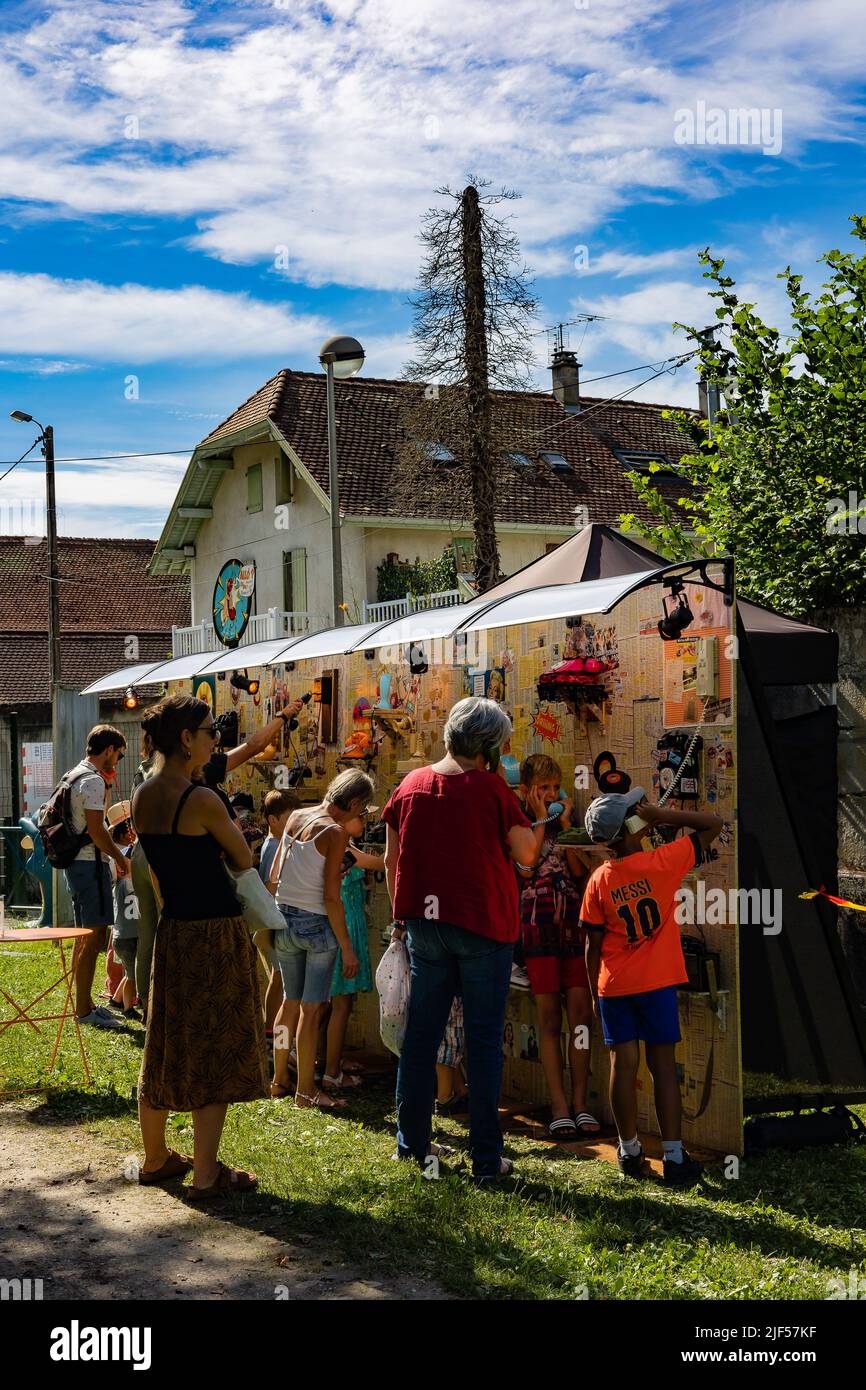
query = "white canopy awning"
{"x": 121, "y": 679}
{"x": 332, "y": 642}
{"x": 238, "y": 658}
{"x": 532, "y": 606}
{"x": 555, "y": 601}
{"x": 426, "y": 624}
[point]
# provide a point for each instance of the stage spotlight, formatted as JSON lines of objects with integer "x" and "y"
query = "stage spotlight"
{"x": 678, "y": 617}
{"x": 243, "y": 682}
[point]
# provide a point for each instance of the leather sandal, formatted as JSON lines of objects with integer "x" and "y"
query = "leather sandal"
{"x": 321, "y": 1101}
{"x": 175, "y": 1166}
{"x": 343, "y": 1081}
{"x": 227, "y": 1180}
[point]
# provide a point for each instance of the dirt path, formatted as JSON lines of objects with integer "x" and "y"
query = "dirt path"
{"x": 70, "y": 1218}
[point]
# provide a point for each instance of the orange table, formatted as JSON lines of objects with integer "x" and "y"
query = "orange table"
{"x": 25, "y": 1014}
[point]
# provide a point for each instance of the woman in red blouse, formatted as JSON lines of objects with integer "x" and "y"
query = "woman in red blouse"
{"x": 454, "y": 830}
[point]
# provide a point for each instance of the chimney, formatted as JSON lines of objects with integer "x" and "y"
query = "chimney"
{"x": 565, "y": 370}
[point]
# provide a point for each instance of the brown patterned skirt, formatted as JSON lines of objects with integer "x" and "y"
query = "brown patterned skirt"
{"x": 205, "y": 1031}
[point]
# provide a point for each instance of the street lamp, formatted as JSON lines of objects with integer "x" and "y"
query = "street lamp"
{"x": 46, "y": 438}
{"x": 341, "y": 357}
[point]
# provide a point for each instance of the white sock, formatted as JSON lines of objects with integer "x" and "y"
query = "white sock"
{"x": 672, "y": 1150}
{"x": 629, "y": 1148}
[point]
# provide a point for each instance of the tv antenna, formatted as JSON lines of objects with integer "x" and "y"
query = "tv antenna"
{"x": 558, "y": 336}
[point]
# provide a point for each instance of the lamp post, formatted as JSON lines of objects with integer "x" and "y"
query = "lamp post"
{"x": 46, "y": 437}
{"x": 341, "y": 357}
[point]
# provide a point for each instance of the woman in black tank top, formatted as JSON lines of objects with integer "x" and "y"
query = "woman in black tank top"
{"x": 204, "y": 1046}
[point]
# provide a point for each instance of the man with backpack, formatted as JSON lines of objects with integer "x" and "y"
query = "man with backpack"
{"x": 72, "y": 825}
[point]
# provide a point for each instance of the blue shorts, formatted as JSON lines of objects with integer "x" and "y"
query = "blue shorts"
{"x": 653, "y": 1017}
{"x": 306, "y": 951}
{"x": 89, "y": 884}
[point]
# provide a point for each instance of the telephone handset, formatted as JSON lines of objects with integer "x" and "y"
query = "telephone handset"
{"x": 491, "y": 757}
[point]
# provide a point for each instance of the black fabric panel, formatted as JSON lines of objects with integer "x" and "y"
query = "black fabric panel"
{"x": 786, "y": 652}
{"x": 806, "y": 748}
{"x": 800, "y": 1018}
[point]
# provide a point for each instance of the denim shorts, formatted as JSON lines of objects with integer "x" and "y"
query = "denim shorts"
{"x": 306, "y": 952}
{"x": 89, "y": 885}
{"x": 124, "y": 951}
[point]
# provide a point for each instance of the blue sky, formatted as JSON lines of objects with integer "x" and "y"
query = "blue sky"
{"x": 195, "y": 195}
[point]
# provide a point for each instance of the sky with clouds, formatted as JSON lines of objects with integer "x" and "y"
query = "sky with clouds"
{"x": 197, "y": 194}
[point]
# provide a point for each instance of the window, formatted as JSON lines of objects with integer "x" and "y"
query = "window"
{"x": 558, "y": 462}
{"x": 644, "y": 461}
{"x": 438, "y": 453}
{"x": 285, "y": 479}
{"x": 254, "y": 488}
{"x": 521, "y": 460}
{"x": 295, "y": 581}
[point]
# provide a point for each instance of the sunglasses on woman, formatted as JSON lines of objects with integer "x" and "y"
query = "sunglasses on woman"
{"x": 209, "y": 729}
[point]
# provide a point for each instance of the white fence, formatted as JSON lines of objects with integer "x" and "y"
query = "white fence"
{"x": 262, "y": 627}
{"x": 412, "y": 603}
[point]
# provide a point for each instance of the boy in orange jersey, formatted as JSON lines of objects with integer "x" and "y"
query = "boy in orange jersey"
{"x": 634, "y": 961}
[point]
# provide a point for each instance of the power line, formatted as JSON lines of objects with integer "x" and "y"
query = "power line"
{"x": 17, "y": 461}
{"x": 99, "y": 458}
{"x": 116, "y": 588}
{"x": 628, "y": 370}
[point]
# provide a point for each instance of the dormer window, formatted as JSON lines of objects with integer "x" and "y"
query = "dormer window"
{"x": 438, "y": 453}
{"x": 520, "y": 460}
{"x": 657, "y": 465}
{"x": 558, "y": 462}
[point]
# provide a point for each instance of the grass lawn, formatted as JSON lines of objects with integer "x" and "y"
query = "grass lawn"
{"x": 565, "y": 1228}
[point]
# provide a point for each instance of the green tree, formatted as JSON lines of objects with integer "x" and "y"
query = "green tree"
{"x": 779, "y": 480}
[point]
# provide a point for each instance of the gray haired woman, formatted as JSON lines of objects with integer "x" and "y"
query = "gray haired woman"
{"x": 306, "y": 880}
{"x": 454, "y": 830}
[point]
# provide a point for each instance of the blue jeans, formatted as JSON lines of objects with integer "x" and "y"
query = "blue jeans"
{"x": 448, "y": 960}
{"x": 306, "y": 951}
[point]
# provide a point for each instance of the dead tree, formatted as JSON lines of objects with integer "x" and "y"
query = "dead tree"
{"x": 471, "y": 329}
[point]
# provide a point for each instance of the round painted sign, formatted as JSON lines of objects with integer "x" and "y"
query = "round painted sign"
{"x": 232, "y": 602}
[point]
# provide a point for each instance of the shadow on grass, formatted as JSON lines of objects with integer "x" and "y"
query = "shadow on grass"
{"x": 73, "y": 1104}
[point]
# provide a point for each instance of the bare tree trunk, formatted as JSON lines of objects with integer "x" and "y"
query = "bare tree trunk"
{"x": 487, "y": 572}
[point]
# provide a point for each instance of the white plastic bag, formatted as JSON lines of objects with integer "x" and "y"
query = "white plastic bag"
{"x": 259, "y": 907}
{"x": 392, "y": 983}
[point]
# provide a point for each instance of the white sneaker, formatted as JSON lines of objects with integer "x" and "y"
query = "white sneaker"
{"x": 98, "y": 1020}
{"x": 519, "y": 978}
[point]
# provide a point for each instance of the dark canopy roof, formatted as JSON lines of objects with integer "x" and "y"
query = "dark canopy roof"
{"x": 785, "y": 652}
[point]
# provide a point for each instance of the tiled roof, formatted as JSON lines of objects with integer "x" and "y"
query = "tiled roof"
{"x": 84, "y": 656}
{"x": 104, "y": 588}
{"x": 369, "y": 436}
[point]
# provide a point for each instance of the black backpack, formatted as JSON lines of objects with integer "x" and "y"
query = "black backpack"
{"x": 61, "y": 843}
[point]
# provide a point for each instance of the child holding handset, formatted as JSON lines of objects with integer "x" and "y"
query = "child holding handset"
{"x": 338, "y": 1073}
{"x": 634, "y": 961}
{"x": 553, "y": 948}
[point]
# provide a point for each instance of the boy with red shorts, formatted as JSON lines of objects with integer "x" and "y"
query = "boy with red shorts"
{"x": 553, "y": 948}
{"x": 634, "y": 961}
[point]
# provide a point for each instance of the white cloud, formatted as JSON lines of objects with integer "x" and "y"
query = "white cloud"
{"x": 135, "y": 324}
{"x": 120, "y": 497}
{"x": 327, "y": 134}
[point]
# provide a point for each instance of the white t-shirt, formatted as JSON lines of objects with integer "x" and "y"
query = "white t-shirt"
{"x": 87, "y": 794}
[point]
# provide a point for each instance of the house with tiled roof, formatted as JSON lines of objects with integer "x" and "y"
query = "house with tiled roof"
{"x": 112, "y": 611}
{"x": 256, "y": 490}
